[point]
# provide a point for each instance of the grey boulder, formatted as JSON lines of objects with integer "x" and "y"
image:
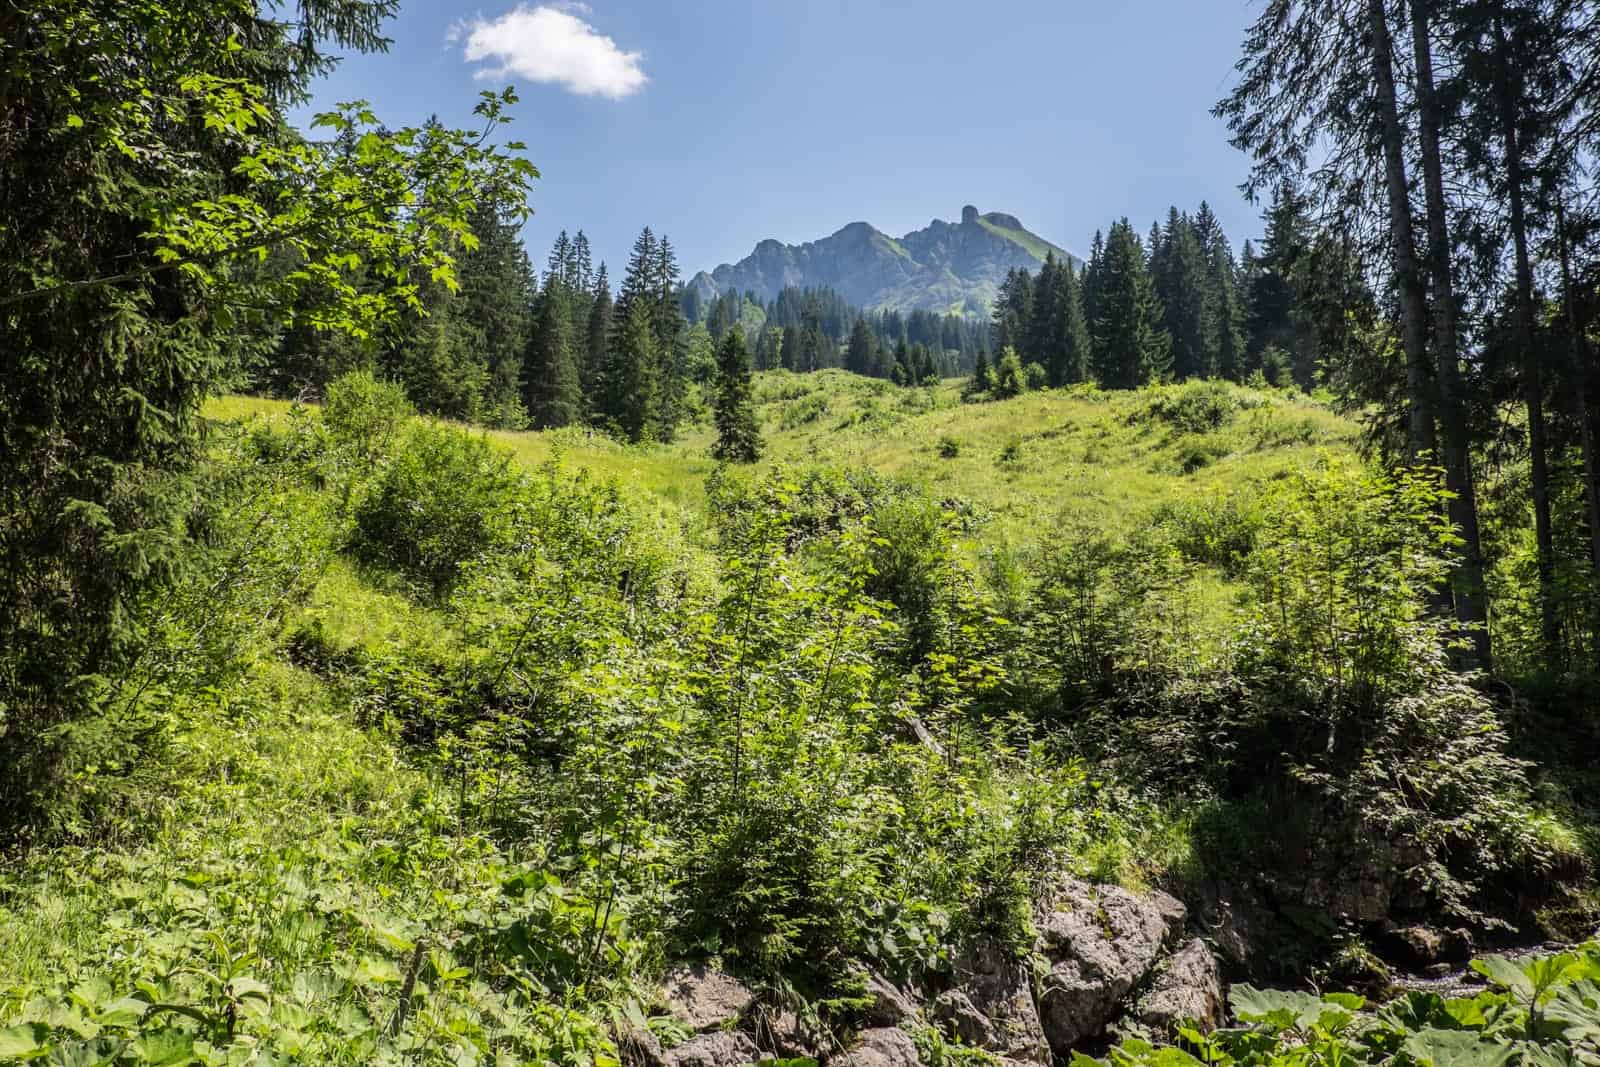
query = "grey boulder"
{"x": 703, "y": 999}
{"x": 1100, "y": 943}
{"x": 882, "y": 1046}
{"x": 1186, "y": 986}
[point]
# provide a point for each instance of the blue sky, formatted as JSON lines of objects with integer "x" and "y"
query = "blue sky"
{"x": 722, "y": 122}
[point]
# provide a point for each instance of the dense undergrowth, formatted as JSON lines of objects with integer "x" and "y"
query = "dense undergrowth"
{"x": 441, "y": 756}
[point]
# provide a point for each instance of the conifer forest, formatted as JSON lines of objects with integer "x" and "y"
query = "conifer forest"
{"x": 418, "y": 647}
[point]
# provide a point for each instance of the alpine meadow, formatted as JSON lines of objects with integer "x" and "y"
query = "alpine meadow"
{"x": 1150, "y": 646}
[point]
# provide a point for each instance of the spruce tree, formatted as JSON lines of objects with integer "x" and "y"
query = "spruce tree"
{"x": 1130, "y": 347}
{"x": 1278, "y": 316}
{"x": 789, "y": 355}
{"x": 905, "y": 367}
{"x": 631, "y": 379}
{"x": 738, "y": 436}
{"x": 495, "y": 309}
{"x": 982, "y": 380}
{"x": 668, "y": 325}
{"x": 1185, "y": 291}
{"x": 1043, "y": 338}
{"x": 1008, "y": 377}
{"x": 597, "y": 342}
{"x": 554, "y": 387}
{"x": 860, "y": 357}
{"x": 769, "y": 344}
{"x": 1092, "y": 272}
{"x": 1070, "y": 359}
{"x": 635, "y": 303}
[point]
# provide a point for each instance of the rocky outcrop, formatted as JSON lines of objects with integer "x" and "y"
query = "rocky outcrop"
{"x": 785, "y": 1033}
{"x": 945, "y": 266}
{"x": 992, "y": 1006}
{"x": 1420, "y": 947}
{"x": 709, "y": 1003}
{"x": 704, "y": 999}
{"x": 880, "y": 1047}
{"x": 890, "y": 1004}
{"x": 728, "y": 1048}
{"x": 1187, "y": 985}
{"x": 1101, "y": 951}
{"x": 1100, "y": 943}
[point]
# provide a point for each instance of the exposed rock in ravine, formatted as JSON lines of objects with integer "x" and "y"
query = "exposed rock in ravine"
{"x": 1186, "y": 985}
{"x": 1100, "y": 943}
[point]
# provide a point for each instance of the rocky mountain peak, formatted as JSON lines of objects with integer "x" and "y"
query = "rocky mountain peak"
{"x": 943, "y": 267}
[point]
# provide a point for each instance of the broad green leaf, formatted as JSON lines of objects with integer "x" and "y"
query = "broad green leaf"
{"x": 1505, "y": 974}
{"x": 1457, "y": 1048}
{"x": 23, "y": 1042}
{"x": 169, "y": 1047}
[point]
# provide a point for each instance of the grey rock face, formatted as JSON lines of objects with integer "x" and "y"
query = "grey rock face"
{"x": 1187, "y": 985}
{"x": 890, "y": 1004}
{"x": 880, "y": 1047}
{"x": 704, "y": 999}
{"x": 784, "y": 1032}
{"x": 1100, "y": 943}
{"x": 993, "y": 1006}
{"x": 724, "y": 1049}
{"x": 956, "y": 1009}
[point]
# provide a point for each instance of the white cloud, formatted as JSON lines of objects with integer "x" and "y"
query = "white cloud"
{"x": 550, "y": 43}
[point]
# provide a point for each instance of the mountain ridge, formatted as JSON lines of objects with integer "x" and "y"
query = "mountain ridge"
{"x": 944, "y": 267}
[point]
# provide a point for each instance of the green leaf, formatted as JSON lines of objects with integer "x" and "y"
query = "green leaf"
{"x": 1348, "y": 1001}
{"x": 24, "y": 1042}
{"x": 1457, "y": 1048}
{"x": 74, "y": 122}
{"x": 1275, "y": 1008}
{"x": 166, "y": 1048}
{"x": 1505, "y": 974}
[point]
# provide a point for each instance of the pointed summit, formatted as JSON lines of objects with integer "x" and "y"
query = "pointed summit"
{"x": 969, "y": 215}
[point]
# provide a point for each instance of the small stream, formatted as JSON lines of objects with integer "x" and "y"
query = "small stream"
{"x": 1466, "y": 982}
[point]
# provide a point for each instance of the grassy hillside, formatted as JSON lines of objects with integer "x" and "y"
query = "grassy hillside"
{"x": 456, "y": 746}
{"x": 1106, "y": 458}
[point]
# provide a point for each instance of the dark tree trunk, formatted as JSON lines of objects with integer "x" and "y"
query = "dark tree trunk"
{"x": 1532, "y": 371}
{"x": 1423, "y": 438}
{"x": 1470, "y": 598}
{"x": 1583, "y": 382}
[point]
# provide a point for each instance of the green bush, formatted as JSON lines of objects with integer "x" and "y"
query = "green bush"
{"x": 1196, "y": 407}
{"x": 1009, "y": 378}
{"x": 365, "y": 413}
{"x": 1352, "y": 689}
{"x": 441, "y": 501}
{"x": 1220, "y": 534}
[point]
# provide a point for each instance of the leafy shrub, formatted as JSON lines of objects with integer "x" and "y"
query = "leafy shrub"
{"x": 909, "y": 561}
{"x": 1009, "y": 378}
{"x": 1099, "y": 609}
{"x": 1218, "y": 534}
{"x": 1196, "y": 407}
{"x": 1350, "y": 678}
{"x": 807, "y": 409}
{"x": 817, "y": 501}
{"x": 365, "y": 413}
{"x": 949, "y": 447}
{"x": 439, "y": 502}
{"x": 1198, "y": 452}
